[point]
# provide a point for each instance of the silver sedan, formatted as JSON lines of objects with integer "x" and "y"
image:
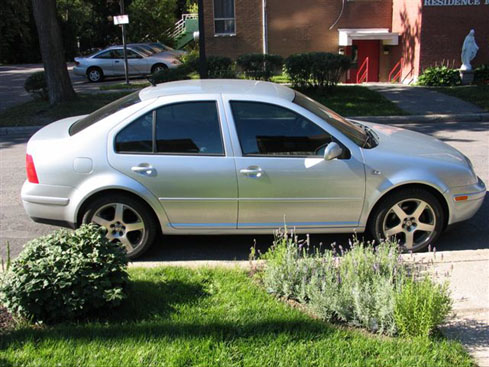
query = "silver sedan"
{"x": 234, "y": 157}
{"x": 110, "y": 62}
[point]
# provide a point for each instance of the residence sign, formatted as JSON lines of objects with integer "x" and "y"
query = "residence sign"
{"x": 454, "y": 2}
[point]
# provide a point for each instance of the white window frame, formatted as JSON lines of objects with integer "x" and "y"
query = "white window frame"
{"x": 230, "y": 34}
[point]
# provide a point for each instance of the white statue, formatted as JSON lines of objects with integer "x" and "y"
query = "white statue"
{"x": 469, "y": 50}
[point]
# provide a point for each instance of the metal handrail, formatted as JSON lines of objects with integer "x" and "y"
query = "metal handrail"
{"x": 179, "y": 27}
{"x": 364, "y": 75}
{"x": 400, "y": 65}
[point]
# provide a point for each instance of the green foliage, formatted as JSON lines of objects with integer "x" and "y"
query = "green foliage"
{"x": 36, "y": 85}
{"x": 481, "y": 74}
{"x": 170, "y": 75}
{"x": 150, "y": 19}
{"x": 316, "y": 69}
{"x": 359, "y": 287}
{"x": 421, "y": 306}
{"x": 439, "y": 76}
{"x": 260, "y": 66}
{"x": 220, "y": 67}
{"x": 191, "y": 60}
{"x": 66, "y": 275}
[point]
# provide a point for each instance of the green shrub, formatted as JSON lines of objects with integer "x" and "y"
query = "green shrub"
{"x": 170, "y": 75}
{"x": 260, "y": 66}
{"x": 481, "y": 74}
{"x": 360, "y": 287}
{"x": 316, "y": 69}
{"x": 66, "y": 275}
{"x": 439, "y": 76}
{"x": 191, "y": 60}
{"x": 219, "y": 67}
{"x": 421, "y": 306}
{"x": 36, "y": 85}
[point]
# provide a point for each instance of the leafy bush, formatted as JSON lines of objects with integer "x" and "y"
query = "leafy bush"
{"x": 481, "y": 74}
{"x": 421, "y": 306}
{"x": 66, "y": 275}
{"x": 36, "y": 85}
{"x": 260, "y": 66}
{"x": 316, "y": 69}
{"x": 362, "y": 286}
{"x": 220, "y": 67}
{"x": 439, "y": 76}
{"x": 170, "y": 75}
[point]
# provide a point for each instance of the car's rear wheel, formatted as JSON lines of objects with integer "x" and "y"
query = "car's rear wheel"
{"x": 158, "y": 67}
{"x": 412, "y": 217}
{"x": 95, "y": 75}
{"x": 126, "y": 220}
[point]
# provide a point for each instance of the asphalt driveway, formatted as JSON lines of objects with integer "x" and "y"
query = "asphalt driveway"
{"x": 472, "y": 138}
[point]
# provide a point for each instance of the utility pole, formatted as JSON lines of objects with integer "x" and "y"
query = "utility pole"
{"x": 126, "y": 67}
{"x": 202, "y": 58}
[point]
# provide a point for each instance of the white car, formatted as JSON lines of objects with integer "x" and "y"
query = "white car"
{"x": 110, "y": 62}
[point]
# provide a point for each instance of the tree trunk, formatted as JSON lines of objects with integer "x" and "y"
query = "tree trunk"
{"x": 57, "y": 77}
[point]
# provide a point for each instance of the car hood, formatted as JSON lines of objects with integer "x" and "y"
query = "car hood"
{"x": 407, "y": 143}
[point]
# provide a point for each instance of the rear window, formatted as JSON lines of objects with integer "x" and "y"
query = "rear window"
{"x": 105, "y": 111}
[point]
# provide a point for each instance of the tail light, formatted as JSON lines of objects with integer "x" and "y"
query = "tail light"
{"x": 30, "y": 169}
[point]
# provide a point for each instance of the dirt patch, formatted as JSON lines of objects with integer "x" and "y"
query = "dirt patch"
{"x": 6, "y": 319}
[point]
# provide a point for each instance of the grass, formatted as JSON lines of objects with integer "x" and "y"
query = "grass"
{"x": 354, "y": 100}
{"x": 122, "y": 86}
{"x": 476, "y": 94}
{"x": 213, "y": 317}
{"x": 38, "y": 112}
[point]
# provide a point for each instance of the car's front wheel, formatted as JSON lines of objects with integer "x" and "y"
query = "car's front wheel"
{"x": 95, "y": 75}
{"x": 412, "y": 217}
{"x": 126, "y": 220}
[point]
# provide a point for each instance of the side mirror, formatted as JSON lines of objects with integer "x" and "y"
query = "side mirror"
{"x": 332, "y": 151}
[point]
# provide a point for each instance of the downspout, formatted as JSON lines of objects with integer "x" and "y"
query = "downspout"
{"x": 339, "y": 16}
{"x": 264, "y": 26}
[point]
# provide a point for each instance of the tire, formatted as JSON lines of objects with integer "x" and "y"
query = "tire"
{"x": 413, "y": 217}
{"x": 158, "y": 67}
{"x": 95, "y": 75}
{"x": 116, "y": 213}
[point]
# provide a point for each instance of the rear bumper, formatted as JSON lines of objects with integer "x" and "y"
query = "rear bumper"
{"x": 48, "y": 204}
{"x": 465, "y": 201}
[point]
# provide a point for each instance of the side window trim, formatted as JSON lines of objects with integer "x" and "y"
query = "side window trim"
{"x": 154, "y": 151}
{"x": 243, "y": 154}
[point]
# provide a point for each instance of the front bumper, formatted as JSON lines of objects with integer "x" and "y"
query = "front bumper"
{"x": 80, "y": 70}
{"x": 465, "y": 201}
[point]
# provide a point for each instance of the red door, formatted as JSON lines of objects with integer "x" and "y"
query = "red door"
{"x": 365, "y": 56}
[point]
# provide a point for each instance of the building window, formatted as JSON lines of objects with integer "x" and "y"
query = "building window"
{"x": 224, "y": 19}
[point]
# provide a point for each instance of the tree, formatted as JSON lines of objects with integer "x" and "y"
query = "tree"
{"x": 57, "y": 78}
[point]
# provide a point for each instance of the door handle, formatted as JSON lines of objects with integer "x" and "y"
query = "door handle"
{"x": 256, "y": 172}
{"x": 144, "y": 169}
{"x": 117, "y": 61}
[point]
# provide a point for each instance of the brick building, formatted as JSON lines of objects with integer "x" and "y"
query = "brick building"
{"x": 386, "y": 38}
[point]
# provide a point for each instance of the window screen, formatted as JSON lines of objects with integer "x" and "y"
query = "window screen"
{"x": 224, "y": 21}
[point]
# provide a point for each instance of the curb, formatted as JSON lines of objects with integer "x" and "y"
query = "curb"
{"x": 410, "y": 119}
{"x": 415, "y": 119}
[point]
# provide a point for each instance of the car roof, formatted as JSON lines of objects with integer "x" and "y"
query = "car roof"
{"x": 218, "y": 86}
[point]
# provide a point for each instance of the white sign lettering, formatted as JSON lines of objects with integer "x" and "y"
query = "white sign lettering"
{"x": 453, "y": 2}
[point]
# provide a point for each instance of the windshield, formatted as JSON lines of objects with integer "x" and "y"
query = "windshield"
{"x": 352, "y": 131}
{"x": 105, "y": 111}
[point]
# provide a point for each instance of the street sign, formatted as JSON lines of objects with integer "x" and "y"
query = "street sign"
{"x": 121, "y": 19}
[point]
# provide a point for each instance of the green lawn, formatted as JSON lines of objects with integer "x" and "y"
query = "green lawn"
{"x": 355, "y": 100}
{"x": 203, "y": 317}
{"x": 38, "y": 112}
{"x": 476, "y": 94}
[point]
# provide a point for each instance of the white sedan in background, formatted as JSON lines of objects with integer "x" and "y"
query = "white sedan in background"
{"x": 110, "y": 62}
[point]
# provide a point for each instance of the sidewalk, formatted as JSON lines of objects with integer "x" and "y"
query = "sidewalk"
{"x": 423, "y": 101}
{"x": 467, "y": 273}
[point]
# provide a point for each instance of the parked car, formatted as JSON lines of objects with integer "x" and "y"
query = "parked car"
{"x": 110, "y": 62}
{"x": 237, "y": 156}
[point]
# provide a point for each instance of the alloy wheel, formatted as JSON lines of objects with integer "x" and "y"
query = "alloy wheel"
{"x": 123, "y": 224}
{"x": 412, "y": 222}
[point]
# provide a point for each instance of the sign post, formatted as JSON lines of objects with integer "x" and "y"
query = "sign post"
{"x": 122, "y": 20}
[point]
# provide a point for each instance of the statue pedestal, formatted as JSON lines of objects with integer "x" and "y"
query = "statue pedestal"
{"x": 467, "y": 76}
